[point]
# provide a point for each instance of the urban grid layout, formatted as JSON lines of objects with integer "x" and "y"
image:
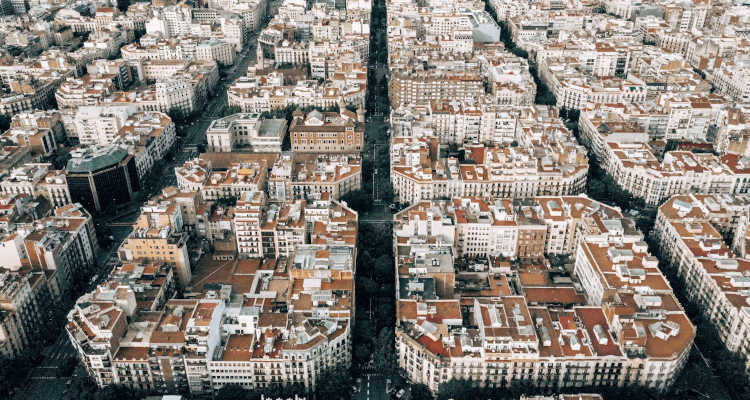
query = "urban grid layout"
{"x": 375, "y": 199}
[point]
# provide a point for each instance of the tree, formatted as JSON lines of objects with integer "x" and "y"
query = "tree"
{"x": 4, "y": 122}
{"x": 352, "y": 107}
{"x": 520, "y": 52}
{"x": 229, "y": 201}
{"x": 227, "y": 111}
{"x": 384, "y": 272}
{"x": 116, "y": 392}
{"x": 384, "y": 353}
{"x": 280, "y": 391}
{"x": 384, "y": 312}
{"x": 418, "y": 391}
{"x": 232, "y": 392}
{"x": 574, "y": 115}
{"x": 68, "y": 366}
{"x": 82, "y": 387}
{"x": 386, "y": 290}
{"x": 457, "y": 389}
{"x": 368, "y": 287}
{"x": 359, "y": 200}
{"x": 364, "y": 328}
{"x": 362, "y": 352}
{"x": 563, "y": 113}
{"x": 5, "y": 383}
{"x": 123, "y": 5}
{"x": 336, "y": 384}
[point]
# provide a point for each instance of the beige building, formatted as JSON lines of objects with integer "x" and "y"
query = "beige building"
{"x": 86, "y": 91}
{"x": 421, "y": 87}
{"x": 623, "y": 150}
{"x": 418, "y": 172}
{"x": 482, "y": 318}
{"x": 214, "y": 184}
{"x": 314, "y": 176}
{"x": 691, "y": 231}
{"x": 23, "y": 299}
{"x": 158, "y": 237}
{"x": 246, "y": 132}
{"x": 131, "y": 331}
{"x": 327, "y": 132}
{"x": 276, "y": 230}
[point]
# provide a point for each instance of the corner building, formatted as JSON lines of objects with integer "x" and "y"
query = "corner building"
{"x": 255, "y": 322}
{"x": 467, "y": 309}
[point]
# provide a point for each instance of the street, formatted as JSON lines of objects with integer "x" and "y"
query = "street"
{"x": 194, "y": 132}
{"x": 44, "y": 382}
{"x": 372, "y": 387}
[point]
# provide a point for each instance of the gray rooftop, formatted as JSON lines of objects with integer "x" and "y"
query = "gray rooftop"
{"x": 272, "y": 128}
{"x": 96, "y": 158}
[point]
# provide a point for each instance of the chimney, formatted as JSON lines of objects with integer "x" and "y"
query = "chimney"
{"x": 361, "y": 113}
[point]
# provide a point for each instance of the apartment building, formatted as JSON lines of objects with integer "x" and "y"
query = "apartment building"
{"x": 149, "y": 136}
{"x": 22, "y": 298}
{"x": 158, "y": 237}
{"x": 86, "y": 91}
{"x": 252, "y": 12}
{"x": 314, "y": 176}
{"x": 214, "y": 184}
{"x": 420, "y": 86}
{"x": 192, "y": 175}
{"x": 37, "y": 180}
{"x": 160, "y": 69}
{"x": 276, "y": 230}
{"x": 261, "y": 94}
{"x": 184, "y": 48}
{"x": 42, "y": 142}
{"x": 420, "y": 172}
{"x": 574, "y": 89}
{"x": 182, "y": 94}
{"x": 327, "y": 132}
{"x": 732, "y": 136}
{"x": 246, "y": 132}
{"x": 613, "y": 321}
{"x": 98, "y": 322}
{"x": 215, "y": 50}
{"x": 623, "y": 150}
{"x": 100, "y": 124}
{"x": 691, "y": 229}
{"x": 733, "y": 80}
{"x": 576, "y": 396}
{"x": 63, "y": 245}
{"x": 507, "y": 228}
{"x": 176, "y": 95}
{"x": 147, "y": 339}
{"x": 119, "y": 71}
{"x": 27, "y": 93}
{"x": 40, "y": 131}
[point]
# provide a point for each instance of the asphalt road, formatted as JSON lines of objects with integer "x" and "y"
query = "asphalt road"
{"x": 43, "y": 382}
{"x": 194, "y": 133}
{"x": 372, "y": 387}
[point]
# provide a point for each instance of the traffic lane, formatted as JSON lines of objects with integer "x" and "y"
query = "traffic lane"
{"x": 372, "y": 387}
{"x": 62, "y": 350}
